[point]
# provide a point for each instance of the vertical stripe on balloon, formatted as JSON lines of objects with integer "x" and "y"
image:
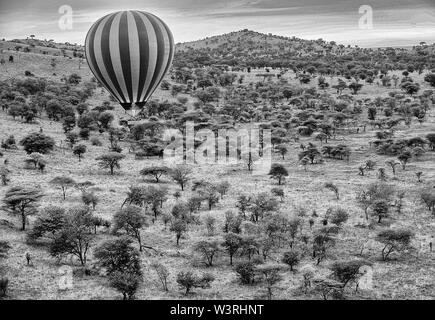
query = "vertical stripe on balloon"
{"x": 172, "y": 50}
{"x": 164, "y": 53}
{"x": 90, "y": 57}
{"x": 107, "y": 57}
{"x": 153, "y": 53}
{"x": 98, "y": 52}
{"x": 124, "y": 51}
{"x": 115, "y": 54}
{"x": 134, "y": 48}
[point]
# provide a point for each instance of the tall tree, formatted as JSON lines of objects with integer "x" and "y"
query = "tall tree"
{"x": 23, "y": 202}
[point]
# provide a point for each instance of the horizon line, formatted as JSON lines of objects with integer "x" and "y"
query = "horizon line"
{"x": 249, "y": 30}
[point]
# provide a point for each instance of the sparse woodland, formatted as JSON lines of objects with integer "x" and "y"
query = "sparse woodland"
{"x": 347, "y": 210}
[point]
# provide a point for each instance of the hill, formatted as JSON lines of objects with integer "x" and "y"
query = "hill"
{"x": 249, "y": 48}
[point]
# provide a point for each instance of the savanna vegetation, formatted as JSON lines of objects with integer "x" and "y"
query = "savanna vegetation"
{"x": 346, "y": 210}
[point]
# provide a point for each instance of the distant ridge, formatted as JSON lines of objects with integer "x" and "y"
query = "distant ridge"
{"x": 241, "y": 45}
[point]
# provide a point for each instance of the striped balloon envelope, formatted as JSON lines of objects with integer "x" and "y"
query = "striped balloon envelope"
{"x": 129, "y": 52}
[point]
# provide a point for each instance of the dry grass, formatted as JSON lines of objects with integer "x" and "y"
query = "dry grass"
{"x": 408, "y": 277}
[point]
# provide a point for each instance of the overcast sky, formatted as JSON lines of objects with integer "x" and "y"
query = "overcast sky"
{"x": 395, "y": 22}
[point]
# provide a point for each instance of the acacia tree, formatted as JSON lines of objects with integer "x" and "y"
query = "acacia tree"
{"x": 122, "y": 263}
{"x": 243, "y": 204}
{"x": 327, "y": 287}
{"x": 23, "y": 202}
{"x": 110, "y": 160}
{"x": 181, "y": 175}
{"x": 162, "y": 273}
{"x": 311, "y": 153}
{"x": 323, "y": 240}
{"x": 63, "y": 183}
{"x": 292, "y": 227}
{"x": 375, "y": 191}
{"x": 79, "y": 150}
{"x": 179, "y": 227}
{"x": 271, "y": 276}
{"x": 404, "y": 158}
{"x": 282, "y": 150}
{"x": 37, "y": 142}
{"x": 118, "y": 255}
{"x": 232, "y": 243}
{"x": 49, "y": 222}
{"x": 75, "y": 236}
{"x": 188, "y": 280}
{"x": 156, "y": 172}
{"x": 261, "y": 205}
{"x": 278, "y": 171}
{"x": 154, "y": 198}
{"x": 208, "y": 250}
{"x": 126, "y": 282}
{"x": 291, "y": 258}
{"x": 380, "y": 209}
{"x": 131, "y": 220}
{"x": 347, "y": 272}
{"x": 394, "y": 241}
{"x": 208, "y": 192}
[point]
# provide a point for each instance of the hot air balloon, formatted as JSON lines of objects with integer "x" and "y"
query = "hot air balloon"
{"x": 129, "y": 52}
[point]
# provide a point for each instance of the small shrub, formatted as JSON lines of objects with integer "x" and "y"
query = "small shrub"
{"x": 84, "y": 133}
{"x": 9, "y": 143}
{"x": 210, "y": 224}
{"x": 291, "y": 258}
{"x": 125, "y": 282}
{"x": 37, "y": 142}
{"x": 339, "y": 216}
{"x": 162, "y": 273}
{"x": 96, "y": 142}
{"x": 90, "y": 199}
{"x": 187, "y": 280}
{"x": 278, "y": 192}
{"x": 208, "y": 251}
